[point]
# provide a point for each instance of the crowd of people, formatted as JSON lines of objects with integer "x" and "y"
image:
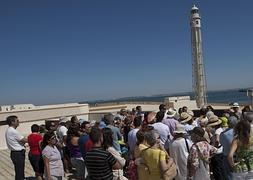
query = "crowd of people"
{"x": 168, "y": 144}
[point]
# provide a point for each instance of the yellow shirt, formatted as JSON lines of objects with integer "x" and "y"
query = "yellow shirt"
{"x": 152, "y": 158}
{"x": 142, "y": 173}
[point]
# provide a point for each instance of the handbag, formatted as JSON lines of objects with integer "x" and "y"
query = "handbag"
{"x": 132, "y": 171}
{"x": 171, "y": 169}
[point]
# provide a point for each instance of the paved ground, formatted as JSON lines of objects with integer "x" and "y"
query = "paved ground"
{"x": 7, "y": 168}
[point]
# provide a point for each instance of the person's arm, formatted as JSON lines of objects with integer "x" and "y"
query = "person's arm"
{"x": 117, "y": 156}
{"x": 23, "y": 140}
{"x": 117, "y": 165}
{"x": 232, "y": 152}
{"x": 64, "y": 138}
{"x": 113, "y": 162}
{"x": 47, "y": 168}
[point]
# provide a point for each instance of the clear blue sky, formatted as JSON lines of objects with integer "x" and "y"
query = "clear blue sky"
{"x": 70, "y": 51}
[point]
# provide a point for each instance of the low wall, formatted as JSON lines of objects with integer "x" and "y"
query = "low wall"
{"x": 39, "y": 116}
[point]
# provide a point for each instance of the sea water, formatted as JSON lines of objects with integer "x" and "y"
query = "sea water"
{"x": 222, "y": 96}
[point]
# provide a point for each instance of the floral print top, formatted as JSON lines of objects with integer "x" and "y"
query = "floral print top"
{"x": 244, "y": 157}
{"x": 199, "y": 151}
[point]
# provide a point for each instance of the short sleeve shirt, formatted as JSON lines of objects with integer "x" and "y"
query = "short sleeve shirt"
{"x": 13, "y": 138}
{"x": 33, "y": 141}
{"x": 99, "y": 164}
{"x": 55, "y": 162}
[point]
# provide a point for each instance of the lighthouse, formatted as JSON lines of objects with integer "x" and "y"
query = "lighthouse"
{"x": 198, "y": 72}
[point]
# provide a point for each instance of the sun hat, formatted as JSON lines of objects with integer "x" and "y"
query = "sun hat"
{"x": 209, "y": 114}
{"x": 185, "y": 117}
{"x": 180, "y": 129}
{"x": 224, "y": 121}
{"x": 213, "y": 121}
{"x": 235, "y": 105}
{"x": 63, "y": 120}
{"x": 171, "y": 112}
{"x": 162, "y": 106}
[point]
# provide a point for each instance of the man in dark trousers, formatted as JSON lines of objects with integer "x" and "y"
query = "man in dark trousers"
{"x": 15, "y": 142}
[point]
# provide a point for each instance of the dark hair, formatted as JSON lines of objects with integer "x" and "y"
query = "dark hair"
{"x": 140, "y": 137}
{"x": 184, "y": 109}
{"x": 42, "y": 128}
{"x": 209, "y": 107}
{"x": 162, "y": 107}
{"x": 242, "y": 130}
{"x": 108, "y": 119}
{"x": 190, "y": 122}
{"x": 202, "y": 111}
{"x": 198, "y": 133}
{"x": 159, "y": 116}
{"x": 180, "y": 111}
{"x": 11, "y": 119}
{"x": 83, "y": 125}
{"x": 35, "y": 128}
{"x": 108, "y": 140}
{"x": 47, "y": 136}
{"x": 138, "y": 108}
{"x": 73, "y": 119}
{"x": 73, "y": 131}
{"x": 137, "y": 121}
{"x": 95, "y": 134}
{"x": 245, "y": 110}
{"x": 248, "y": 116}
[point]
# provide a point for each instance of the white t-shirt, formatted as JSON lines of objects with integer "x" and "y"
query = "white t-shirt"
{"x": 13, "y": 138}
{"x": 217, "y": 133}
{"x": 178, "y": 151}
{"x": 132, "y": 139}
{"x": 55, "y": 162}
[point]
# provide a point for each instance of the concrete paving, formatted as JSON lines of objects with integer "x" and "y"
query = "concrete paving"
{"x": 7, "y": 169}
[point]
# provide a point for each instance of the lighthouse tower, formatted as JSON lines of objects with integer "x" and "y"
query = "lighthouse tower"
{"x": 198, "y": 73}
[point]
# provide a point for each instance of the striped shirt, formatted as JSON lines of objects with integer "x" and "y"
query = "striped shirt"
{"x": 99, "y": 164}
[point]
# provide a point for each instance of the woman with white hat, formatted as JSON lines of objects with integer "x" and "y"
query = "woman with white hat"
{"x": 179, "y": 150}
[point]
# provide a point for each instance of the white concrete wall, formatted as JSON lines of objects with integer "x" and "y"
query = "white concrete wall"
{"x": 38, "y": 116}
{"x": 117, "y": 108}
{"x": 49, "y": 112}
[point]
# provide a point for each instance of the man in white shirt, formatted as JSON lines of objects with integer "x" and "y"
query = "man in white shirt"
{"x": 162, "y": 128}
{"x": 15, "y": 142}
{"x": 132, "y": 135}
